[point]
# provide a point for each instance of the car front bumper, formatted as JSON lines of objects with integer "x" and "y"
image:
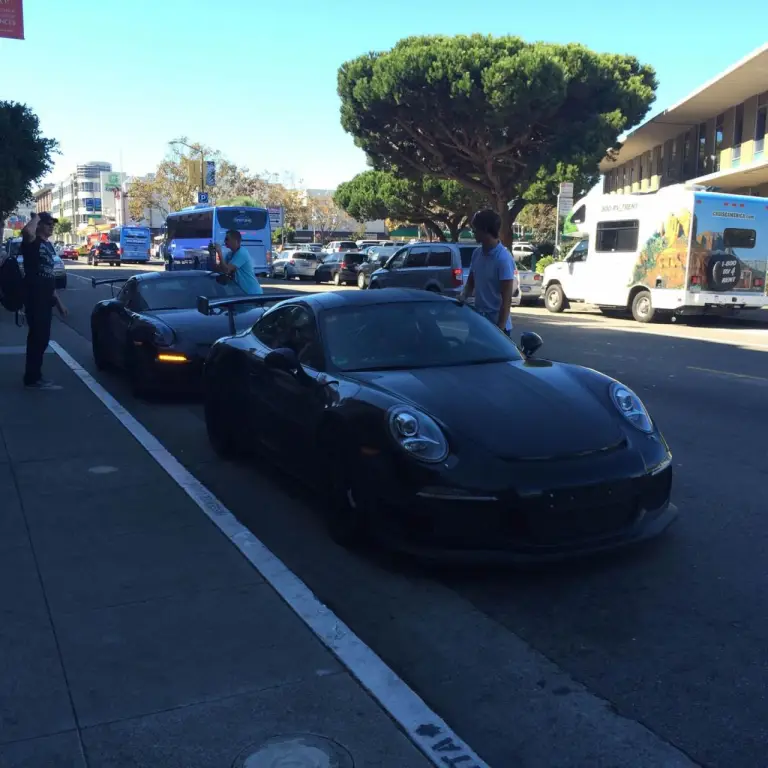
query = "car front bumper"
{"x": 440, "y": 522}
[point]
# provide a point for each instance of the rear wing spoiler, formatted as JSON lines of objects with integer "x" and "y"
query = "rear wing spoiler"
{"x": 110, "y": 281}
{"x": 206, "y": 306}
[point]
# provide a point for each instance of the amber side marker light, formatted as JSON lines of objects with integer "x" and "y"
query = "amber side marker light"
{"x": 167, "y": 357}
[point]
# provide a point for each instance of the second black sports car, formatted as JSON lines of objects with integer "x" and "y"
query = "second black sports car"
{"x": 152, "y": 328}
{"x": 429, "y": 429}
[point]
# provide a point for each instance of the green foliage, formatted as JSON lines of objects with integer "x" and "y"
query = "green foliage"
{"x": 25, "y": 155}
{"x": 439, "y": 204}
{"x": 543, "y": 263}
{"x": 241, "y": 201}
{"x": 277, "y": 234}
{"x": 540, "y": 219}
{"x": 63, "y": 227}
{"x": 505, "y": 118}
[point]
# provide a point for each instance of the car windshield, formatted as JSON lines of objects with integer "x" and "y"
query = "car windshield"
{"x": 354, "y": 258}
{"x": 181, "y": 292}
{"x": 412, "y": 334}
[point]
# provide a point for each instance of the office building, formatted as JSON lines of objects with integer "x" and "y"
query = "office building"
{"x": 714, "y": 137}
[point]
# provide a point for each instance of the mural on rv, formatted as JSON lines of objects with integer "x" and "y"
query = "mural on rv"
{"x": 718, "y": 265}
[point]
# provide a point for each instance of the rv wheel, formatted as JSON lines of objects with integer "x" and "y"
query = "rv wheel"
{"x": 642, "y": 308}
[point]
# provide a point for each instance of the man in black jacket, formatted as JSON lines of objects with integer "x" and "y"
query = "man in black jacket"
{"x": 40, "y": 295}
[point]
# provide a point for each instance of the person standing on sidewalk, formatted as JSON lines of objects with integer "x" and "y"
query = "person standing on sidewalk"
{"x": 238, "y": 264}
{"x": 492, "y": 272}
{"x": 40, "y": 295}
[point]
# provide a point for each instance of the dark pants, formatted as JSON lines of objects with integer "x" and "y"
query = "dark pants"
{"x": 38, "y": 308}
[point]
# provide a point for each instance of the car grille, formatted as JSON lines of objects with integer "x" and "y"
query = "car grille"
{"x": 585, "y": 512}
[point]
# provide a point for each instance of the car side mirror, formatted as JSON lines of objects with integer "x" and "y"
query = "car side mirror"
{"x": 530, "y": 342}
{"x": 282, "y": 359}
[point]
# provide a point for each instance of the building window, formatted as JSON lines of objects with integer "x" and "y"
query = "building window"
{"x": 719, "y": 123}
{"x": 616, "y": 236}
{"x": 760, "y": 123}
{"x": 673, "y": 155}
{"x": 660, "y": 161}
{"x": 738, "y": 134}
{"x": 640, "y": 172}
{"x": 701, "y": 160}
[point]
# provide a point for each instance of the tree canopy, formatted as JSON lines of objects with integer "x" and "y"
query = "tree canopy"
{"x": 25, "y": 155}
{"x": 505, "y": 118}
{"x": 63, "y": 227}
{"x": 438, "y": 204}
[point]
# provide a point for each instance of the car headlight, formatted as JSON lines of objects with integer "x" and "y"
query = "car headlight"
{"x": 418, "y": 434}
{"x": 631, "y": 407}
{"x": 163, "y": 337}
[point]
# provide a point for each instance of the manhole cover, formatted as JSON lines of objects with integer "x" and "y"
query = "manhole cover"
{"x": 295, "y": 751}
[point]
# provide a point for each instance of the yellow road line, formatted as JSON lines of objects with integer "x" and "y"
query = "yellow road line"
{"x": 727, "y": 373}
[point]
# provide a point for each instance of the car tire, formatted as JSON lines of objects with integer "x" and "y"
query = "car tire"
{"x": 337, "y": 279}
{"x": 100, "y": 358}
{"x": 642, "y": 307}
{"x": 345, "y": 504}
{"x": 554, "y": 298}
{"x": 361, "y": 281}
{"x": 317, "y": 279}
{"x": 139, "y": 375}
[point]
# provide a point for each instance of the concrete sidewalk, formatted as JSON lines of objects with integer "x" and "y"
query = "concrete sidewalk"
{"x": 132, "y": 632}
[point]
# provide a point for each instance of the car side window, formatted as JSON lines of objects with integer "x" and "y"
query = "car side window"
{"x": 440, "y": 257}
{"x": 417, "y": 257}
{"x": 397, "y": 261}
{"x": 271, "y": 329}
{"x": 303, "y": 337}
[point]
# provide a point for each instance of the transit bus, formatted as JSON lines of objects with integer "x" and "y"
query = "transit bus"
{"x": 134, "y": 243}
{"x": 192, "y": 230}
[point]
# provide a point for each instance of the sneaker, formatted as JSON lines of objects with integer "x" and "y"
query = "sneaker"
{"x": 43, "y": 384}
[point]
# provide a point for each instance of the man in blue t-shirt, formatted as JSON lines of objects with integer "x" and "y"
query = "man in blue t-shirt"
{"x": 238, "y": 264}
{"x": 492, "y": 272}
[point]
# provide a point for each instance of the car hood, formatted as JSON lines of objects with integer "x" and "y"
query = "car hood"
{"x": 514, "y": 410}
{"x": 192, "y": 327}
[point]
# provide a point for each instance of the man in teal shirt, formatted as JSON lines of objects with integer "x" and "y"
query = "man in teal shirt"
{"x": 237, "y": 264}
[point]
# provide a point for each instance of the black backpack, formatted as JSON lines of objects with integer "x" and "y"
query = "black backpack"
{"x": 11, "y": 285}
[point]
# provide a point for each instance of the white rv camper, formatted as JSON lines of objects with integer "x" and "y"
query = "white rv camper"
{"x": 681, "y": 250}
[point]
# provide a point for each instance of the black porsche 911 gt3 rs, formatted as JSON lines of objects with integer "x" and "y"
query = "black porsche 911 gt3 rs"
{"x": 153, "y": 331}
{"x": 431, "y": 430}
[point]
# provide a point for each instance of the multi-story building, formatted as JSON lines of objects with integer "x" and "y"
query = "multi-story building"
{"x": 715, "y": 137}
{"x": 43, "y": 198}
{"x": 87, "y": 196}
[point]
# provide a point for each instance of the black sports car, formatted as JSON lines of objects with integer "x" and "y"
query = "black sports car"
{"x": 152, "y": 328}
{"x": 431, "y": 431}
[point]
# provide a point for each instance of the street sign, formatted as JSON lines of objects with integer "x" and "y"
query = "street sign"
{"x": 210, "y": 173}
{"x": 276, "y": 216}
{"x": 566, "y": 189}
{"x": 113, "y": 181}
{"x": 202, "y": 197}
{"x": 12, "y": 19}
{"x": 564, "y": 205}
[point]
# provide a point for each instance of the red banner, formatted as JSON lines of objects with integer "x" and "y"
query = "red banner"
{"x": 11, "y": 19}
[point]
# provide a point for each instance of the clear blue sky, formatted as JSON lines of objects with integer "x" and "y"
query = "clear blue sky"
{"x": 257, "y": 79}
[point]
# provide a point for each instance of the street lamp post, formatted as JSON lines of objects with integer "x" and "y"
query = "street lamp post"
{"x": 202, "y": 160}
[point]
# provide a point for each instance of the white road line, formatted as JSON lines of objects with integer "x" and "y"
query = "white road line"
{"x": 425, "y": 728}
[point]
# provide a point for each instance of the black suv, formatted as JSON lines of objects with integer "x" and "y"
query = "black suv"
{"x": 104, "y": 252}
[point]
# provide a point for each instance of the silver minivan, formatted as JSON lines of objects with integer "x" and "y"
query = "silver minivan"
{"x": 438, "y": 267}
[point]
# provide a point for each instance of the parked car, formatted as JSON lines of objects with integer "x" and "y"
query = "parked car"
{"x": 432, "y": 433}
{"x": 109, "y": 252}
{"x": 340, "y": 268}
{"x": 375, "y": 258}
{"x": 13, "y": 248}
{"x": 340, "y": 246}
{"x": 438, "y": 267}
{"x": 364, "y": 245}
{"x": 295, "y": 264}
{"x": 525, "y": 255}
{"x": 69, "y": 252}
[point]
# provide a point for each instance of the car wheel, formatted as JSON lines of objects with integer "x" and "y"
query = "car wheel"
{"x": 554, "y": 299}
{"x": 361, "y": 281}
{"x": 286, "y": 275}
{"x": 140, "y": 374}
{"x": 317, "y": 279}
{"x": 337, "y": 279}
{"x": 97, "y": 347}
{"x": 642, "y": 307}
{"x": 346, "y": 505}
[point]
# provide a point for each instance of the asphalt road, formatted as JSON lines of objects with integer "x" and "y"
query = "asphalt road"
{"x": 597, "y": 663}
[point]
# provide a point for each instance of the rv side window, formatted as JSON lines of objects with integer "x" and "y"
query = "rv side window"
{"x": 579, "y": 215}
{"x": 616, "y": 236}
{"x": 739, "y": 238}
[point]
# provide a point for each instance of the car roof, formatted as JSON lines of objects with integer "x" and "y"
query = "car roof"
{"x": 338, "y": 299}
{"x": 174, "y": 274}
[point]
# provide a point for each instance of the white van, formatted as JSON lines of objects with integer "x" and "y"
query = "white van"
{"x": 681, "y": 250}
